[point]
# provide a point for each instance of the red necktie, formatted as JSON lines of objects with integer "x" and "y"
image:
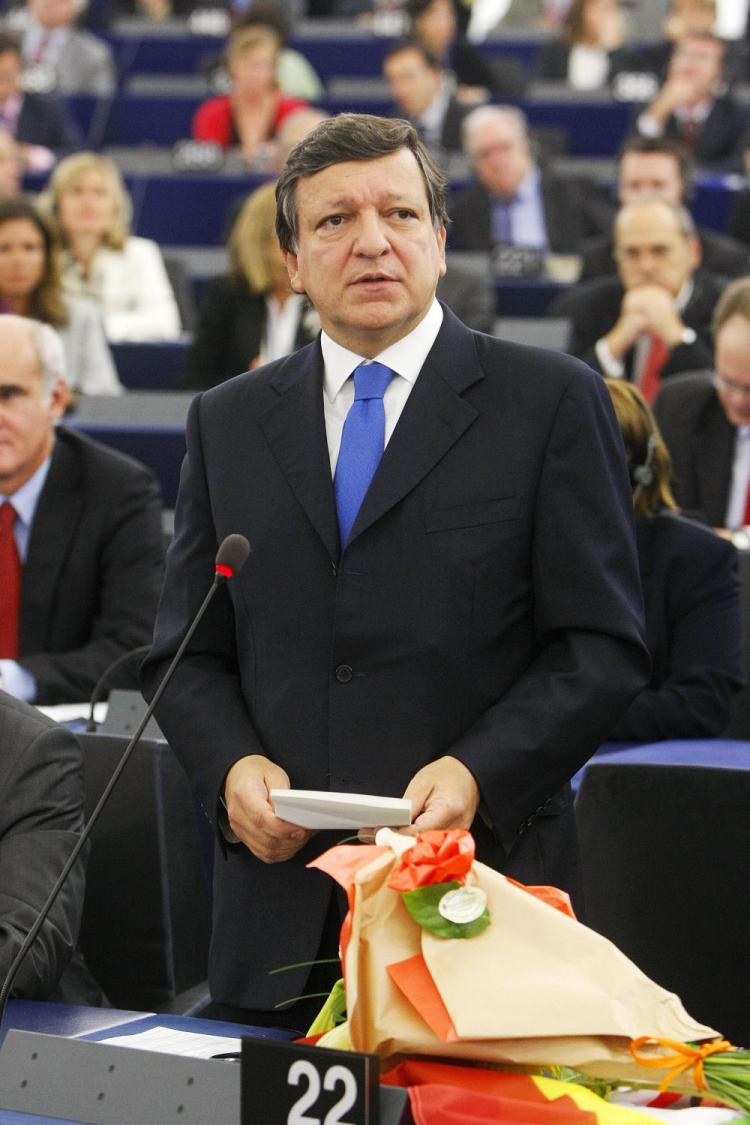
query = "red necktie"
{"x": 746, "y": 517}
{"x": 656, "y": 357}
{"x": 10, "y": 583}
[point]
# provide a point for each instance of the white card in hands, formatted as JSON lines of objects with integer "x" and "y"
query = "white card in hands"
{"x": 310, "y": 808}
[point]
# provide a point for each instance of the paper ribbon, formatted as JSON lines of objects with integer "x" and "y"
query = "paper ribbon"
{"x": 685, "y": 1057}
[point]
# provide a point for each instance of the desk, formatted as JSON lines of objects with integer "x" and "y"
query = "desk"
{"x": 74, "y": 1022}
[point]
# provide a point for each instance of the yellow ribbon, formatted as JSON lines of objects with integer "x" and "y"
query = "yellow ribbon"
{"x": 685, "y": 1057}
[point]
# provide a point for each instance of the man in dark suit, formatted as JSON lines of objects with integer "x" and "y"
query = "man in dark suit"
{"x": 38, "y": 122}
{"x": 661, "y": 166}
{"x": 692, "y": 104}
{"x": 41, "y": 817}
{"x": 655, "y": 318}
{"x": 464, "y": 634}
{"x": 81, "y": 544}
{"x": 515, "y": 201}
{"x": 423, "y": 95}
{"x": 705, "y": 420}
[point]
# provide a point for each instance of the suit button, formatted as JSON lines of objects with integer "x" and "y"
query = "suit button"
{"x": 344, "y": 673}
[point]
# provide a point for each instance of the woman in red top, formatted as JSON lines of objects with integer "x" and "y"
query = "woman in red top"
{"x": 251, "y": 114}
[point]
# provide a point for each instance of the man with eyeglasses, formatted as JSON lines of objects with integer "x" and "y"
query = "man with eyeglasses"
{"x": 705, "y": 420}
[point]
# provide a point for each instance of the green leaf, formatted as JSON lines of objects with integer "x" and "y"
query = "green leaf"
{"x": 422, "y": 904}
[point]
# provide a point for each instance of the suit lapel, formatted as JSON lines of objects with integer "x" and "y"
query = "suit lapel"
{"x": 294, "y": 427}
{"x": 715, "y": 451}
{"x": 434, "y": 418}
{"x": 55, "y": 523}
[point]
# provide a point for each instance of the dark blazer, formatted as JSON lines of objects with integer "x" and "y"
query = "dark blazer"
{"x": 552, "y": 61}
{"x": 701, "y": 440}
{"x": 593, "y": 308}
{"x": 574, "y": 210}
{"x": 41, "y": 817}
{"x": 691, "y": 595}
{"x": 472, "y": 67}
{"x": 230, "y": 333}
{"x": 720, "y": 138}
{"x": 43, "y": 120}
{"x": 474, "y": 612}
{"x": 739, "y": 221}
{"x": 720, "y": 255}
{"x": 93, "y": 569}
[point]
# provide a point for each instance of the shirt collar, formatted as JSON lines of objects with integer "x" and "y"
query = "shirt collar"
{"x": 528, "y": 187}
{"x": 406, "y": 357}
{"x": 682, "y": 300}
{"x": 26, "y": 498}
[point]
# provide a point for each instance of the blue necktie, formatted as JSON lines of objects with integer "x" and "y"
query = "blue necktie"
{"x": 362, "y": 443}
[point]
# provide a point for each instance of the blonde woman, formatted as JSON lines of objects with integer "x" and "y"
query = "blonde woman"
{"x": 251, "y": 114}
{"x": 91, "y": 211}
{"x": 251, "y": 315}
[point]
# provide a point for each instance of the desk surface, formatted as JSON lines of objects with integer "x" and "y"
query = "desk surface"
{"x": 77, "y": 1022}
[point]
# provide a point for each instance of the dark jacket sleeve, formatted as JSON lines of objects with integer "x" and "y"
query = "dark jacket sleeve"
{"x": 552, "y": 62}
{"x": 130, "y": 550}
{"x": 694, "y": 627}
{"x": 227, "y": 338}
{"x": 41, "y": 816}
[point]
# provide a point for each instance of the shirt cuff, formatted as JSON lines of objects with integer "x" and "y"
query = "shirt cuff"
{"x": 648, "y": 126}
{"x": 612, "y": 368}
{"x": 17, "y": 681}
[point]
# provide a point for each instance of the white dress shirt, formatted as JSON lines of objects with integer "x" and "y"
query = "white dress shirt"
{"x": 740, "y": 479}
{"x": 405, "y": 358}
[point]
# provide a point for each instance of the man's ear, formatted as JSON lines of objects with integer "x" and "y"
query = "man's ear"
{"x": 696, "y": 252}
{"x": 442, "y": 234}
{"x": 59, "y": 399}
{"x": 292, "y": 268}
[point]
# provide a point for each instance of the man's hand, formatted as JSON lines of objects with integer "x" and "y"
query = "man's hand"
{"x": 251, "y": 815}
{"x": 675, "y": 92}
{"x": 658, "y": 309}
{"x": 443, "y": 794}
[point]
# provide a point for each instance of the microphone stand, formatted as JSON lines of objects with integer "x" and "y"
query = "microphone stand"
{"x": 221, "y": 575}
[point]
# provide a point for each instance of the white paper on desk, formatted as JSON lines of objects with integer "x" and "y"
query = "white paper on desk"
{"x": 172, "y": 1042}
{"x": 312, "y": 808}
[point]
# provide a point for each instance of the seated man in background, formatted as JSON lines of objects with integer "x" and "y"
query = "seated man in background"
{"x": 81, "y": 544}
{"x": 41, "y": 817}
{"x": 706, "y": 423}
{"x": 71, "y": 60}
{"x": 515, "y": 201}
{"x": 691, "y": 597}
{"x": 661, "y": 166}
{"x": 694, "y": 105}
{"x": 38, "y": 122}
{"x": 654, "y": 319}
{"x": 423, "y": 95}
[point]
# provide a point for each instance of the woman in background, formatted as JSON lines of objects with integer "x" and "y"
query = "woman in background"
{"x": 90, "y": 210}
{"x": 691, "y": 596}
{"x": 251, "y": 114}
{"x": 250, "y": 315}
{"x": 30, "y": 286}
{"x": 591, "y": 31}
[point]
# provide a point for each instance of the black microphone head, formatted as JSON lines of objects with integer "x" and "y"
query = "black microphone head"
{"x": 231, "y": 555}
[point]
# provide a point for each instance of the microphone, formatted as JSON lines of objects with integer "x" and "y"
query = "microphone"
{"x": 230, "y": 557}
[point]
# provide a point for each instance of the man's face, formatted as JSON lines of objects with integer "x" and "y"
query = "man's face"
{"x": 10, "y": 74}
{"x": 732, "y": 364}
{"x": 368, "y": 255}
{"x": 53, "y": 13}
{"x": 499, "y": 151}
{"x": 698, "y": 63}
{"x": 654, "y": 173}
{"x": 27, "y": 413}
{"x": 651, "y": 249}
{"x": 414, "y": 84}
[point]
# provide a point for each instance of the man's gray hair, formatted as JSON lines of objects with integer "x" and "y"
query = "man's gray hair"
{"x": 48, "y": 346}
{"x": 352, "y": 136}
{"x": 493, "y": 114}
{"x": 684, "y": 219}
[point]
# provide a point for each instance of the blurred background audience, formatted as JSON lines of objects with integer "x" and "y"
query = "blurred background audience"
{"x": 691, "y": 596}
{"x": 39, "y": 122}
{"x": 90, "y": 212}
{"x": 580, "y": 56}
{"x": 30, "y": 286}
{"x": 66, "y": 58}
{"x": 423, "y": 94}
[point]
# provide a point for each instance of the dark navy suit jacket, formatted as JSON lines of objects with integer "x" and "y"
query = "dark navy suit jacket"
{"x": 487, "y": 606}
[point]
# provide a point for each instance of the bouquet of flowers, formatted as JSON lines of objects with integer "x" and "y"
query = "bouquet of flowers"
{"x": 442, "y": 956}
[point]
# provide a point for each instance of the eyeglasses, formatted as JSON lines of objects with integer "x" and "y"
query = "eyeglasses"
{"x": 739, "y": 390}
